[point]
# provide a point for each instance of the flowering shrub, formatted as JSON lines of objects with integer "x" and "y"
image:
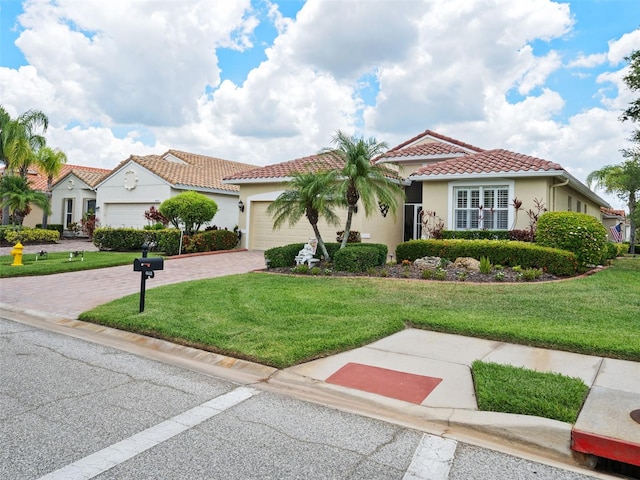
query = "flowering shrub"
{"x": 27, "y": 235}
{"x": 579, "y": 233}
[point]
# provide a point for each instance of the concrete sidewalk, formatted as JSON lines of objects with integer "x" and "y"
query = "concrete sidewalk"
{"x": 415, "y": 377}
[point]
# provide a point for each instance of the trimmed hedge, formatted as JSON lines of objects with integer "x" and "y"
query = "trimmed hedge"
{"x": 280, "y": 257}
{"x": 4, "y": 229}
{"x": 575, "y": 232}
{"x": 499, "y": 252}
{"x": 53, "y": 226}
{"x": 131, "y": 239}
{"x": 356, "y": 260}
{"x": 210, "y": 241}
{"x": 31, "y": 235}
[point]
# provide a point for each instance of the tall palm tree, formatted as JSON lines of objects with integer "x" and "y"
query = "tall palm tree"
{"x": 19, "y": 139}
{"x": 624, "y": 181}
{"x": 17, "y": 195}
{"x": 361, "y": 179}
{"x": 313, "y": 195}
{"x": 50, "y": 162}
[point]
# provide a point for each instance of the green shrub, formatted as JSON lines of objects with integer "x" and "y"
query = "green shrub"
{"x": 210, "y": 241}
{"x": 168, "y": 241}
{"x": 427, "y": 274}
{"x": 356, "y": 260}
{"x": 440, "y": 274}
{"x": 53, "y": 226}
{"x": 128, "y": 239}
{"x": 11, "y": 228}
{"x": 380, "y": 247}
{"x": 284, "y": 256}
{"x": 554, "y": 261}
{"x": 579, "y": 233}
{"x": 485, "y": 265}
{"x": 31, "y": 235}
{"x": 531, "y": 274}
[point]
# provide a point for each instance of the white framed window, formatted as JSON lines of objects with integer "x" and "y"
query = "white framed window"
{"x": 68, "y": 212}
{"x": 480, "y": 206}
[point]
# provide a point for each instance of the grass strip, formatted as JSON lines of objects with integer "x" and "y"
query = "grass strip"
{"x": 60, "y": 262}
{"x": 509, "y": 389}
{"x": 282, "y": 320}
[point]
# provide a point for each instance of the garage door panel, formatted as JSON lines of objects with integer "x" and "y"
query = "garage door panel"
{"x": 129, "y": 215}
{"x": 263, "y": 236}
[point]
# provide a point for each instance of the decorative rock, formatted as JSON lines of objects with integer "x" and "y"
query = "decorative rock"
{"x": 467, "y": 263}
{"x": 428, "y": 262}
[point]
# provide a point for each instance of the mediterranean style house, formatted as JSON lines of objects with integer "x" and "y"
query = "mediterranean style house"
{"x": 73, "y": 194}
{"x": 446, "y": 182}
{"x": 459, "y": 185}
{"x": 141, "y": 182}
{"x": 119, "y": 197}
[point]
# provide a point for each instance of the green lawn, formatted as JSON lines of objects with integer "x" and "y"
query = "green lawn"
{"x": 284, "y": 320}
{"x": 504, "y": 388}
{"x": 59, "y": 262}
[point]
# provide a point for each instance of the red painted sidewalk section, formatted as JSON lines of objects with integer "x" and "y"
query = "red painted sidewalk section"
{"x": 382, "y": 381}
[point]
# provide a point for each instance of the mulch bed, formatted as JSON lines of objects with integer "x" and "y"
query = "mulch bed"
{"x": 413, "y": 272}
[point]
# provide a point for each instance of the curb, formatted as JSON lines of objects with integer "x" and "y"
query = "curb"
{"x": 538, "y": 438}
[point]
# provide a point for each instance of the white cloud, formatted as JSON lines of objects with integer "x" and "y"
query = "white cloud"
{"x": 134, "y": 60}
{"x": 453, "y": 66}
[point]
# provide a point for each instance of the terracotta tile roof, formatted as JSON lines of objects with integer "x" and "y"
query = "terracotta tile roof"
{"x": 437, "y": 136}
{"x": 488, "y": 161}
{"x": 90, "y": 175}
{"x": 613, "y": 213}
{"x": 426, "y": 150}
{"x": 279, "y": 171}
{"x": 190, "y": 169}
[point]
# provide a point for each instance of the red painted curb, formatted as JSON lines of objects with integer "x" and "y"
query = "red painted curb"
{"x": 606, "y": 447}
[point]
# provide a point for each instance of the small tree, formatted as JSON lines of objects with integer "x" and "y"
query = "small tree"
{"x": 313, "y": 195}
{"x": 17, "y": 196}
{"x": 191, "y": 209}
{"x": 575, "y": 232}
{"x": 361, "y": 179}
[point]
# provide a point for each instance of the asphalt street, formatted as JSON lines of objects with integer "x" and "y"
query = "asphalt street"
{"x": 76, "y": 409}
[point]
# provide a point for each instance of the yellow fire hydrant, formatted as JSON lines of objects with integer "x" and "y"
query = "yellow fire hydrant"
{"x": 17, "y": 255}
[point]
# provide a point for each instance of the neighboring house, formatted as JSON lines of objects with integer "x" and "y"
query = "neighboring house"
{"x": 141, "y": 182}
{"x": 612, "y": 218}
{"x": 445, "y": 176}
{"x": 73, "y": 194}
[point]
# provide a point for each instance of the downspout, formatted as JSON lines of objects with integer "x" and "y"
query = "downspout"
{"x": 566, "y": 182}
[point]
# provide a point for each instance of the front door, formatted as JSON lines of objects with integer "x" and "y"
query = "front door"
{"x": 412, "y": 221}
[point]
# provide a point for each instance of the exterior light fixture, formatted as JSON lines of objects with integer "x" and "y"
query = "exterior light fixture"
{"x": 384, "y": 209}
{"x": 241, "y": 206}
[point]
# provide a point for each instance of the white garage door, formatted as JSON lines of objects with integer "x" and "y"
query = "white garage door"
{"x": 263, "y": 237}
{"x": 131, "y": 215}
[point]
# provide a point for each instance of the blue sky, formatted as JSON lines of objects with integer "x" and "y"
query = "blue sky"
{"x": 263, "y": 81}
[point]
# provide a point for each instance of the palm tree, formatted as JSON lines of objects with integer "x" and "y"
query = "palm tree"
{"x": 50, "y": 162}
{"x": 361, "y": 179}
{"x": 313, "y": 195}
{"x": 624, "y": 181}
{"x": 17, "y": 195}
{"x": 19, "y": 139}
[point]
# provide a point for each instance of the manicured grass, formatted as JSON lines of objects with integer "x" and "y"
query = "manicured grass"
{"x": 284, "y": 320}
{"x": 59, "y": 262}
{"x": 508, "y": 389}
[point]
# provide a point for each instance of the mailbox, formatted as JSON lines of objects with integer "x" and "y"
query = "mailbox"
{"x": 148, "y": 264}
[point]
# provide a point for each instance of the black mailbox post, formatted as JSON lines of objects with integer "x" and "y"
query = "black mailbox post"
{"x": 146, "y": 266}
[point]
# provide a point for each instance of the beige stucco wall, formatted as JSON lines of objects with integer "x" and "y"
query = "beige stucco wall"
{"x": 373, "y": 229}
{"x": 437, "y": 197}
